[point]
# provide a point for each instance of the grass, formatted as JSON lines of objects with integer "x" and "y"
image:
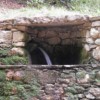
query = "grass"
{"x": 87, "y": 7}
{"x": 91, "y": 7}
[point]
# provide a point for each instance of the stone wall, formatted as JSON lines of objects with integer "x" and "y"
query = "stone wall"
{"x": 93, "y": 39}
{"x": 68, "y": 82}
{"x": 54, "y": 35}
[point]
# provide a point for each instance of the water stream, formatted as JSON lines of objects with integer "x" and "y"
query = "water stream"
{"x": 46, "y": 56}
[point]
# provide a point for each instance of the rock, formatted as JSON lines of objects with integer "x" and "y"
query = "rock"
{"x": 89, "y": 40}
{"x": 19, "y": 44}
{"x": 10, "y": 75}
{"x": 22, "y": 21}
{"x": 98, "y": 75}
{"x": 9, "y": 27}
{"x": 87, "y": 48}
{"x": 51, "y": 34}
{"x": 96, "y": 23}
{"x": 5, "y": 37}
{"x": 20, "y": 37}
{"x": 94, "y": 33}
{"x": 67, "y": 41}
{"x": 95, "y": 91}
{"x": 54, "y": 40}
{"x": 88, "y": 34}
{"x": 96, "y": 53}
{"x": 19, "y": 75}
{"x": 64, "y": 35}
{"x": 14, "y": 30}
{"x": 83, "y": 79}
{"x": 81, "y": 96}
{"x": 42, "y": 34}
{"x": 90, "y": 96}
{"x": 21, "y": 28}
{"x": 19, "y": 51}
{"x": 97, "y": 41}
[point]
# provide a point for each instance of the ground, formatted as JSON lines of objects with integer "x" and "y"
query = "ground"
{"x": 10, "y": 4}
{"x": 10, "y": 9}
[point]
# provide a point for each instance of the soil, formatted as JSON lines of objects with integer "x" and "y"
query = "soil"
{"x": 10, "y": 4}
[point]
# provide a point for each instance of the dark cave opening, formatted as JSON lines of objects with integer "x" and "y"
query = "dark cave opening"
{"x": 69, "y": 54}
{"x": 60, "y": 55}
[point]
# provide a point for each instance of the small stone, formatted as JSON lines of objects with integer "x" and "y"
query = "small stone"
{"x": 20, "y": 37}
{"x": 19, "y": 75}
{"x": 18, "y": 50}
{"x": 97, "y": 41}
{"x": 20, "y": 28}
{"x": 19, "y": 44}
{"x": 81, "y": 96}
{"x": 89, "y": 40}
{"x": 5, "y": 37}
{"x": 95, "y": 91}
{"x": 90, "y": 96}
{"x": 54, "y": 40}
{"x": 96, "y": 53}
{"x": 88, "y": 34}
{"x": 94, "y": 33}
{"x": 10, "y": 75}
{"x": 87, "y": 48}
{"x": 96, "y": 23}
{"x": 51, "y": 34}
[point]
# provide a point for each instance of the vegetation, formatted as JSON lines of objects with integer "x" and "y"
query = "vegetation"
{"x": 52, "y": 8}
{"x": 91, "y": 7}
{"x": 6, "y": 59}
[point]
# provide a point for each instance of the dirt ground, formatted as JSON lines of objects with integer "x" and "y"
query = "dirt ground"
{"x": 10, "y": 4}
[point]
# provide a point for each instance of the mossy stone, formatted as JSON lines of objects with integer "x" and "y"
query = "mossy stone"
{"x": 81, "y": 74}
{"x": 2, "y": 75}
{"x": 71, "y": 90}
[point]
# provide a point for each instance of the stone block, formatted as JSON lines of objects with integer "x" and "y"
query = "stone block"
{"x": 5, "y": 39}
{"x": 20, "y": 37}
{"x": 96, "y": 53}
{"x": 54, "y": 41}
{"x": 96, "y": 23}
{"x": 19, "y": 44}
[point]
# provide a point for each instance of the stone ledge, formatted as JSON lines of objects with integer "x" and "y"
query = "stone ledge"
{"x": 49, "y": 66}
{"x": 44, "y": 21}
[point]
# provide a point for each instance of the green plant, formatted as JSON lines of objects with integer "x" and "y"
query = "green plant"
{"x": 4, "y": 52}
{"x": 12, "y": 60}
{"x": 2, "y": 75}
{"x": 91, "y": 7}
{"x": 35, "y": 3}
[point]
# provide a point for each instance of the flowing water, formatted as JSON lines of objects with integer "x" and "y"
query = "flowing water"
{"x": 47, "y": 58}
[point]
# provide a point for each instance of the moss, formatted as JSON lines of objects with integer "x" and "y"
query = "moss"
{"x": 84, "y": 56}
{"x": 71, "y": 90}
{"x": 4, "y": 52}
{"x": 80, "y": 74}
{"x": 8, "y": 88}
{"x": 2, "y": 75}
{"x": 12, "y": 60}
{"x": 27, "y": 91}
{"x": 4, "y": 98}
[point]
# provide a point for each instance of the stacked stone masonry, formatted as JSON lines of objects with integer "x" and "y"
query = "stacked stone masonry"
{"x": 68, "y": 82}
{"x": 50, "y": 33}
{"x": 58, "y": 83}
{"x": 93, "y": 39}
